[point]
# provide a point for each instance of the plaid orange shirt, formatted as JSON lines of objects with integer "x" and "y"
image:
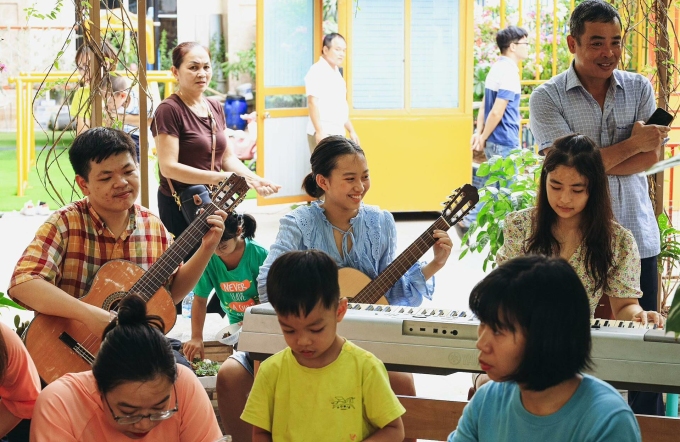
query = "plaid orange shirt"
{"x": 71, "y": 246}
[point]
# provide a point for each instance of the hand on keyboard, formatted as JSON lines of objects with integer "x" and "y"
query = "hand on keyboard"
{"x": 650, "y": 316}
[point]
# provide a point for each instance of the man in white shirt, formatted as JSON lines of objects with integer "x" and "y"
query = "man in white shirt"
{"x": 327, "y": 94}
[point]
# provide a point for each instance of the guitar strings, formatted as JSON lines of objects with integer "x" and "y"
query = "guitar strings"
{"x": 149, "y": 279}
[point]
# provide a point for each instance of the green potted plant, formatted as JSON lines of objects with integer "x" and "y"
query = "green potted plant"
{"x": 243, "y": 63}
{"x": 511, "y": 185}
{"x": 217, "y": 53}
{"x": 669, "y": 260}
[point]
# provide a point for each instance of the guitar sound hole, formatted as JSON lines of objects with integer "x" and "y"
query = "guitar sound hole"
{"x": 113, "y": 300}
{"x": 114, "y": 305}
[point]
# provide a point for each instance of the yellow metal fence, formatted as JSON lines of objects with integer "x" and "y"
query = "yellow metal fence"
{"x": 25, "y": 91}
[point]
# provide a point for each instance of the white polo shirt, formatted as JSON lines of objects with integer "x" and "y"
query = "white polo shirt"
{"x": 327, "y": 85}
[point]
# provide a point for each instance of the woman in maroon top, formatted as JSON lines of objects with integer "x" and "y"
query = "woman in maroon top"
{"x": 182, "y": 128}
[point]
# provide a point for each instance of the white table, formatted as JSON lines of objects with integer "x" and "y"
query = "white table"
{"x": 213, "y": 324}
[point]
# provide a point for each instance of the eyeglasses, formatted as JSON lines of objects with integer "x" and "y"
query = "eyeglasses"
{"x": 521, "y": 42}
{"x": 129, "y": 420}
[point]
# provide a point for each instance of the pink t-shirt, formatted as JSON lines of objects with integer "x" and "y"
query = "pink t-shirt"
{"x": 71, "y": 409}
{"x": 21, "y": 384}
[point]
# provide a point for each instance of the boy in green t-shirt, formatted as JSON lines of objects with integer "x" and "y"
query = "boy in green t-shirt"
{"x": 232, "y": 273}
{"x": 322, "y": 387}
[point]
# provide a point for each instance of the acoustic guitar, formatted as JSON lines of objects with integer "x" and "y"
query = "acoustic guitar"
{"x": 359, "y": 288}
{"x": 59, "y": 345}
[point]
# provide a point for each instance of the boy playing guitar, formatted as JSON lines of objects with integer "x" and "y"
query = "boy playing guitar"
{"x": 60, "y": 264}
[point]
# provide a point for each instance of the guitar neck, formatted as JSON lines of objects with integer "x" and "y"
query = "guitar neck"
{"x": 160, "y": 271}
{"x": 377, "y": 288}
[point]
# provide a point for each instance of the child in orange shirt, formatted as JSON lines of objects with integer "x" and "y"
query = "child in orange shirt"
{"x": 135, "y": 389}
{"x": 19, "y": 385}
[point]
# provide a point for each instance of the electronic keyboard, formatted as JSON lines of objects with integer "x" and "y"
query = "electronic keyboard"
{"x": 440, "y": 341}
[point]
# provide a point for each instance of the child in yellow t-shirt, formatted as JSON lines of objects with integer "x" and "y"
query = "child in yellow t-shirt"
{"x": 322, "y": 387}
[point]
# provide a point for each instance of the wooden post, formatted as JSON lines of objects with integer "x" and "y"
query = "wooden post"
{"x": 95, "y": 92}
{"x": 143, "y": 108}
{"x": 662, "y": 54}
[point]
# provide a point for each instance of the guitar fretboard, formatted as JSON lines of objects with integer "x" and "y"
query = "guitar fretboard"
{"x": 380, "y": 285}
{"x": 160, "y": 271}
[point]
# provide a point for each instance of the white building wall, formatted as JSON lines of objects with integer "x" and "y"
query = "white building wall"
{"x": 238, "y": 25}
{"x": 32, "y": 45}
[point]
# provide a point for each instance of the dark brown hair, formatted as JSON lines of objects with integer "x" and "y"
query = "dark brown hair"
{"x": 134, "y": 348}
{"x": 182, "y": 49}
{"x": 234, "y": 221}
{"x": 325, "y": 158}
{"x": 556, "y": 328}
{"x": 591, "y": 11}
{"x": 300, "y": 279}
{"x": 579, "y": 152}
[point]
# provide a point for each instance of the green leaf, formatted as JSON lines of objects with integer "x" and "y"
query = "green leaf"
{"x": 6, "y": 302}
{"x": 484, "y": 169}
{"x": 673, "y": 322}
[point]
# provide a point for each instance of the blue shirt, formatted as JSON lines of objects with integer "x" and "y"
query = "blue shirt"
{"x": 503, "y": 82}
{"x": 562, "y": 106}
{"x": 374, "y": 246}
{"x": 596, "y": 412}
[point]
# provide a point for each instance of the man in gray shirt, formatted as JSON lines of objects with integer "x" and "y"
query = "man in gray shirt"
{"x": 610, "y": 106}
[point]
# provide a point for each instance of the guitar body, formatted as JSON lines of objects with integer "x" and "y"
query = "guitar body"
{"x": 44, "y": 338}
{"x": 352, "y": 281}
{"x": 360, "y": 289}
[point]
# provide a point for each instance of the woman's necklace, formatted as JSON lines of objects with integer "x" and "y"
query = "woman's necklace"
{"x": 199, "y": 108}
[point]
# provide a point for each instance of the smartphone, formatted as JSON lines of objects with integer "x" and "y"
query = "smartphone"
{"x": 660, "y": 117}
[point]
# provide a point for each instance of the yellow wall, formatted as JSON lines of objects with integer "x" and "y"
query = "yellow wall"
{"x": 416, "y": 156}
{"x": 415, "y": 162}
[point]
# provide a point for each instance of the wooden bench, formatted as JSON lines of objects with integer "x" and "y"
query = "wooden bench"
{"x": 435, "y": 419}
{"x": 218, "y": 352}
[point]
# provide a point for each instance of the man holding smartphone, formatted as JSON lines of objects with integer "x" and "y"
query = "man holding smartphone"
{"x": 610, "y": 106}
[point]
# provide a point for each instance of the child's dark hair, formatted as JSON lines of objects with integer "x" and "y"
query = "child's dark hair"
{"x": 597, "y": 217}
{"x": 324, "y": 159}
{"x": 299, "y": 280}
{"x": 511, "y": 34}
{"x": 98, "y": 144}
{"x": 544, "y": 299}
{"x": 234, "y": 221}
{"x": 134, "y": 348}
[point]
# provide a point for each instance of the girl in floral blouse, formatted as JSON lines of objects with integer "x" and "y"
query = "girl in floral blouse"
{"x": 573, "y": 219}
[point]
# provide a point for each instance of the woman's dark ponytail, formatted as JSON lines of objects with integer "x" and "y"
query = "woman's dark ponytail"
{"x": 134, "y": 348}
{"x": 310, "y": 187}
{"x": 249, "y": 226}
{"x": 234, "y": 221}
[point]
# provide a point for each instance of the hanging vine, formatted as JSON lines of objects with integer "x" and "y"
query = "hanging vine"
{"x": 111, "y": 50}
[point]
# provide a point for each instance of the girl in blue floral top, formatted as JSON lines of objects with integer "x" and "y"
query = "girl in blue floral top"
{"x": 355, "y": 235}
